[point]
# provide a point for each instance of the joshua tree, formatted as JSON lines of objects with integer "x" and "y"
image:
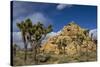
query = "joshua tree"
{"x": 64, "y": 44}
{"x": 59, "y": 44}
{"x": 79, "y": 40}
{"x": 36, "y": 34}
{"x": 33, "y": 34}
{"x": 22, "y": 28}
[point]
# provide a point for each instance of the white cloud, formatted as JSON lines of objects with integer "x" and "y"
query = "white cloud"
{"x": 93, "y": 34}
{"x": 58, "y": 32}
{"x": 39, "y": 17}
{"x": 51, "y": 34}
{"x": 17, "y": 39}
{"x": 62, "y": 6}
{"x": 35, "y": 17}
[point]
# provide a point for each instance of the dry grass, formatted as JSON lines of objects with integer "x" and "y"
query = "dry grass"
{"x": 53, "y": 58}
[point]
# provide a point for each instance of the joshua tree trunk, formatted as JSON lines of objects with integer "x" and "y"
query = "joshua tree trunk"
{"x": 87, "y": 52}
{"x": 35, "y": 53}
{"x": 25, "y": 58}
{"x": 64, "y": 51}
{"x": 79, "y": 50}
{"x": 35, "y": 58}
{"x": 76, "y": 48}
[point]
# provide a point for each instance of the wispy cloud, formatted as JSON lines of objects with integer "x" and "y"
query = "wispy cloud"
{"x": 62, "y": 6}
{"x": 40, "y": 17}
{"x": 22, "y": 8}
{"x": 35, "y": 17}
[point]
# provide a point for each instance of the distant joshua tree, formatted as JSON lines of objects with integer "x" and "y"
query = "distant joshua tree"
{"x": 62, "y": 43}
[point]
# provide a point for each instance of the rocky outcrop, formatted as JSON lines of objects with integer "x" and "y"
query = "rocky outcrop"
{"x": 77, "y": 40}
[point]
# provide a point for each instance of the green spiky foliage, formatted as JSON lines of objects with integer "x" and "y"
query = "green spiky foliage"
{"x": 21, "y": 26}
{"x": 33, "y": 34}
{"x": 24, "y": 27}
{"x": 38, "y": 33}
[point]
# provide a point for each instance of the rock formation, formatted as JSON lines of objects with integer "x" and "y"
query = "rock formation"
{"x": 77, "y": 41}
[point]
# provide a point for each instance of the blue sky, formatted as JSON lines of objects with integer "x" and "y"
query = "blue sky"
{"x": 56, "y": 14}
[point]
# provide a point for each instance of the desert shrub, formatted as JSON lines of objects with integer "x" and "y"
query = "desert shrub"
{"x": 43, "y": 58}
{"x": 63, "y": 59}
{"x": 18, "y": 62}
{"x": 54, "y": 58}
{"x": 77, "y": 58}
